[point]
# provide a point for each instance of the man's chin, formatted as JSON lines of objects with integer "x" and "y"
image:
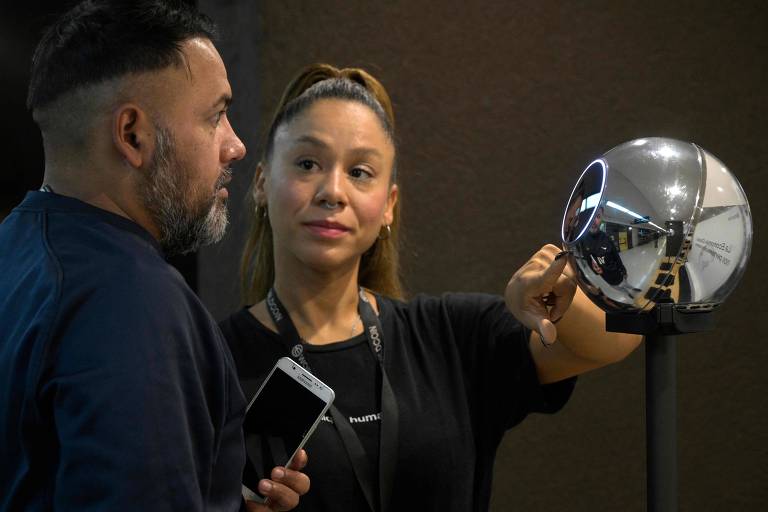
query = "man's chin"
{"x": 189, "y": 236}
{"x": 216, "y": 222}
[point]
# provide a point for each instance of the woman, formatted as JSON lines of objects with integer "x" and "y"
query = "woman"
{"x": 425, "y": 389}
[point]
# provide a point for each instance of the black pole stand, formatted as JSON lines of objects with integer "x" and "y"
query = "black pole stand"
{"x": 660, "y": 327}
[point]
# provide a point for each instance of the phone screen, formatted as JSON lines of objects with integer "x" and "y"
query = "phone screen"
{"x": 275, "y": 424}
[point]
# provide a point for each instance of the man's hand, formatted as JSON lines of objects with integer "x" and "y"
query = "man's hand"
{"x": 540, "y": 292}
{"x": 285, "y": 487}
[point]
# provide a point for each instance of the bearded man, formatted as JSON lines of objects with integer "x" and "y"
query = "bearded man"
{"x": 117, "y": 390}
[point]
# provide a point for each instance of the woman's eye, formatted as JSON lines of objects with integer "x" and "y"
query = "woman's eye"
{"x": 306, "y": 165}
{"x": 360, "y": 173}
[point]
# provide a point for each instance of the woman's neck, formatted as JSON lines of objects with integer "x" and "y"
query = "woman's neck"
{"x": 322, "y": 306}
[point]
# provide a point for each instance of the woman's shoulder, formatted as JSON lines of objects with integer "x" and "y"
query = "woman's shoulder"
{"x": 243, "y": 327}
{"x": 446, "y": 308}
{"x": 253, "y": 345}
{"x": 447, "y": 300}
{"x": 471, "y": 321}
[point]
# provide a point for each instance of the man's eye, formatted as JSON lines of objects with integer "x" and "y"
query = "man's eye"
{"x": 217, "y": 118}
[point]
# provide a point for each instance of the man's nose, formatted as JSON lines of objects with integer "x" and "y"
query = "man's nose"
{"x": 233, "y": 149}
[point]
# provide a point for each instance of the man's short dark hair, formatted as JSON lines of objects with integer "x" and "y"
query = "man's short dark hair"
{"x": 99, "y": 40}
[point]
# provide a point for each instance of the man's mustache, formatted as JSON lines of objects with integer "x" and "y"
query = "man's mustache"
{"x": 224, "y": 178}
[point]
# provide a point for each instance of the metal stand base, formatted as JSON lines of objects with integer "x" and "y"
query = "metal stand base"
{"x": 660, "y": 327}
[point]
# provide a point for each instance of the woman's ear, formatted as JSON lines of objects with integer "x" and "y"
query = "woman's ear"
{"x": 133, "y": 135}
{"x": 389, "y": 212}
{"x": 260, "y": 186}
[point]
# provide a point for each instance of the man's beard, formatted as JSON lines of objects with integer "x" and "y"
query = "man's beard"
{"x": 187, "y": 218}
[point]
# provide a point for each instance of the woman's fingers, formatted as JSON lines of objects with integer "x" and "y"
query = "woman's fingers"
{"x": 285, "y": 488}
{"x": 541, "y": 291}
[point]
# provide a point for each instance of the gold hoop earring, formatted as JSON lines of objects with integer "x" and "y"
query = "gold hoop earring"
{"x": 389, "y": 233}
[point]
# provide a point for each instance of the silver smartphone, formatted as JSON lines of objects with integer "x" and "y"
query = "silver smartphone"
{"x": 279, "y": 420}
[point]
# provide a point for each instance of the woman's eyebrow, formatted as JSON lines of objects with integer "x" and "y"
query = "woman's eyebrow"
{"x": 309, "y": 139}
{"x": 314, "y": 141}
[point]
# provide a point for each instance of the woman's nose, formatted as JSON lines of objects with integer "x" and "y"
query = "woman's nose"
{"x": 331, "y": 191}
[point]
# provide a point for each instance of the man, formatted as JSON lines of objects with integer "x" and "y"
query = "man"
{"x": 116, "y": 387}
{"x": 604, "y": 258}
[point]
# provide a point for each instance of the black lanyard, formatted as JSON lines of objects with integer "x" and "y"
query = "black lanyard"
{"x": 389, "y": 411}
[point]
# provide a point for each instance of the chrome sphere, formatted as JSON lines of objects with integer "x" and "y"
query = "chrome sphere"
{"x": 657, "y": 220}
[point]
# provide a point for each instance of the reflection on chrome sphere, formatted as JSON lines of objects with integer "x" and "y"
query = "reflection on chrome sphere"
{"x": 657, "y": 220}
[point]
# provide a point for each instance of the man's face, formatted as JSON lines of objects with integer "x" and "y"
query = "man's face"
{"x": 194, "y": 148}
{"x": 186, "y": 219}
{"x": 595, "y": 227}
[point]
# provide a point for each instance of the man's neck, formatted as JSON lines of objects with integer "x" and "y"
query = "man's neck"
{"x": 79, "y": 185}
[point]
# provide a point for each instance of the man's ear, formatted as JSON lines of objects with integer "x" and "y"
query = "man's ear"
{"x": 133, "y": 134}
{"x": 259, "y": 185}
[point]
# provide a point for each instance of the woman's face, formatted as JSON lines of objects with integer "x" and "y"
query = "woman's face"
{"x": 327, "y": 185}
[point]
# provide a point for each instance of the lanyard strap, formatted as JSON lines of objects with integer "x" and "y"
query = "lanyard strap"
{"x": 389, "y": 413}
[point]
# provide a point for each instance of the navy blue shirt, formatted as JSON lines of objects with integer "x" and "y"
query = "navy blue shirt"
{"x": 117, "y": 391}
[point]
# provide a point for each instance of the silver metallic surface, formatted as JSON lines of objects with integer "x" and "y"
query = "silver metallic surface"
{"x": 657, "y": 220}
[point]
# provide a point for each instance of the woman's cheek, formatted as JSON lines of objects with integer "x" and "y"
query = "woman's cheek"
{"x": 291, "y": 194}
{"x": 372, "y": 211}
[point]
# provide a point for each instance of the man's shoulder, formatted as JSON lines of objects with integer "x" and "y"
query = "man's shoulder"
{"x": 93, "y": 254}
{"x": 135, "y": 312}
{"x": 120, "y": 277}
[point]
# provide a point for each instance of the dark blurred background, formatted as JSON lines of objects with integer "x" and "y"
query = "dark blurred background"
{"x": 500, "y": 105}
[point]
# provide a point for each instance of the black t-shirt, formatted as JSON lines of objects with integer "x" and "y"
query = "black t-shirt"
{"x": 341, "y": 365}
{"x": 599, "y": 247}
{"x": 462, "y": 372}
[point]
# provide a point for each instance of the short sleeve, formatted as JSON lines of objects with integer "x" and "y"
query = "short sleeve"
{"x": 502, "y": 381}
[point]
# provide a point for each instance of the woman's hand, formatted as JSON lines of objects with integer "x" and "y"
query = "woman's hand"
{"x": 540, "y": 292}
{"x": 284, "y": 489}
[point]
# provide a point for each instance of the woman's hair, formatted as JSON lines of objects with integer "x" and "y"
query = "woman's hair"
{"x": 379, "y": 267}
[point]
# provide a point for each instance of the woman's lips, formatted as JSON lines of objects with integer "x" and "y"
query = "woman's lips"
{"x": 327, "y": 229}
